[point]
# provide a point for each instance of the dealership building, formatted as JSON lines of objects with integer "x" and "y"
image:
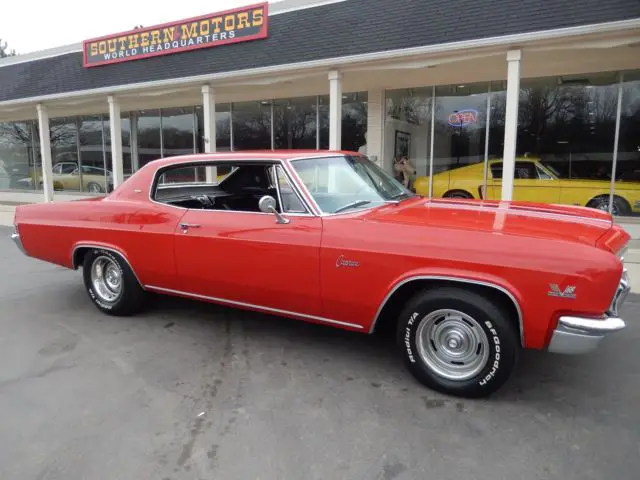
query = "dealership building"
{"x": 542, "y": 96}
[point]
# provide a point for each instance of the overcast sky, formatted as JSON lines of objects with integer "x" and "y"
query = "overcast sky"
{"x": 30, "y": 25}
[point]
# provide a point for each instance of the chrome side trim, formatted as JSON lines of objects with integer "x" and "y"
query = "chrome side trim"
{"x": 251, "y": 305}
{"x": 108, "y": 249}
{"x": 451, "y": 279}
{"x": 579, "y": 335}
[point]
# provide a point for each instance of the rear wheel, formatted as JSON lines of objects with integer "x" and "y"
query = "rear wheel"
{"x": 620, "y": 205}
{"x": 111, "y": 284}
{"x": 93, "y": 187}
{"x": 458, "y": 342}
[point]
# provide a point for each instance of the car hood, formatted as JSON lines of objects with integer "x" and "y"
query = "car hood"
{"x": 558, "y": 222}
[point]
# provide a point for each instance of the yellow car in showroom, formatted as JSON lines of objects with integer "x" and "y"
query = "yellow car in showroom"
{"x": 533, "y": 182}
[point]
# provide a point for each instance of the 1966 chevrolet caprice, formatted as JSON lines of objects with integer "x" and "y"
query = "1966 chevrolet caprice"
{"x": 329, "y": 237}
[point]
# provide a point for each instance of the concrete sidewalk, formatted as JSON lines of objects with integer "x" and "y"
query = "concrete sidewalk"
{"x": 632, "y": 259}
{"x": 6, "y": 215}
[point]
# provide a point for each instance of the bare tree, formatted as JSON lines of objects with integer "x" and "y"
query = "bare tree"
{"x": 4, "y": 50}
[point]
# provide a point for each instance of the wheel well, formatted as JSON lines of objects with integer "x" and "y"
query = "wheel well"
{"x": 457, "y": 190}
{"x": 79, "y": 253}
{"x": 389, "y": 314}
{"x": 78, "y": 256}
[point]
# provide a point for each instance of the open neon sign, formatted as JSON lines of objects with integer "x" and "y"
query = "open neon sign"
{"x": 461, "y": 118}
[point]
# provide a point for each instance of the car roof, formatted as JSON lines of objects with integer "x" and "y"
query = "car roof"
{"x": 248, "y": 155}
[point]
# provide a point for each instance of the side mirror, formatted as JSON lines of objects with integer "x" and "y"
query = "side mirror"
{"x": 267, "y": 204}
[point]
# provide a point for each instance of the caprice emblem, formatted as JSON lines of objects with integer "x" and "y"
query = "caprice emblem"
{"x": 343, "y": 262}
{"x": 568, "y": 292}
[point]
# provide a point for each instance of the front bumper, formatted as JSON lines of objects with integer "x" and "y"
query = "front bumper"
{"x": 15, "y": 236}
{"x": 577, "y": 335}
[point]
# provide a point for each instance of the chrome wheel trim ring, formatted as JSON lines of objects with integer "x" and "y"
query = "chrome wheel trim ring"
{"x": 94, "y": 188}
{"x": 106, "y": 279}
{"x": 452, "y": 344}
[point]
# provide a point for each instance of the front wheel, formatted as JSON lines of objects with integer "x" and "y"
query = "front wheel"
{"x": 457, "y": 342}
{"x": 111, "y": 284}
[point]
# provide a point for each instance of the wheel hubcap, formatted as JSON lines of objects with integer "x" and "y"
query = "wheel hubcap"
{"x": 106, "y": 279}
{"x": 452, "y": 344}
{"x": 604, "y": 206}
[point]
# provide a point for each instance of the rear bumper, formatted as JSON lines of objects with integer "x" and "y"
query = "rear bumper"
{"x": 15, "y": 236}
{"x": 578, "y": 335}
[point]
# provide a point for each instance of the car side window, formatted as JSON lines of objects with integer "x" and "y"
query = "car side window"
{"x": 57, "y": 169}
{"x": 66, "y": 168}
{"x": 291, "y": 203}
{"x": 496, "y": 170}
{"x": 542, "y": 175}
{"x": 525, "y": 171}
{"x": 235, "y": 186}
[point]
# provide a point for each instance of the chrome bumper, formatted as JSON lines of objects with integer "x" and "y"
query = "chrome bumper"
{"x": 577, "y": 335}
{"x": 15, "y": 236}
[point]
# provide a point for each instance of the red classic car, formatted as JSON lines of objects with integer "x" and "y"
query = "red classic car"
{"x": 331, "y": 238}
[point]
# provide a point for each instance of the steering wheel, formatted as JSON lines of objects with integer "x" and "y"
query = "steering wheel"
{"x": 204, "y": 200}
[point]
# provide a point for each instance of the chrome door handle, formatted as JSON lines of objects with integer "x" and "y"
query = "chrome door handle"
{"x": 186, "y": 226}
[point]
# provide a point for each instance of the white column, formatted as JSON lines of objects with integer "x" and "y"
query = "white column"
{"x": 511, "y": 123}
{"x": 45, "y": 153}
{"x": 209, "y": 114}
{"x": 115, "y": 125}
{"x": 133, "y": 142}
{"x": 335, "y": 110}
{"x": 375, "y": 127}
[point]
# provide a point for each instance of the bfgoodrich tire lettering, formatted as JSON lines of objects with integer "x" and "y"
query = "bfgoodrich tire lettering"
{"x": 111, "y": 284}
{"x": 457, "y": 341}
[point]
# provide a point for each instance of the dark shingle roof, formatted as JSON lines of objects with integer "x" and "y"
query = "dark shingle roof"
{"x": 341, "y": 29}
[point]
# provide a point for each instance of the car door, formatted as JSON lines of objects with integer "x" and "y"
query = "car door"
{"x": 248, "y": 257}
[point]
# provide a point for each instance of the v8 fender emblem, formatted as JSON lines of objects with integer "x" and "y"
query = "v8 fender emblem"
{"x": 568, "y": 292}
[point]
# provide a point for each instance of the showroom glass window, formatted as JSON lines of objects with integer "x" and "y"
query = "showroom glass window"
{"x": 95, "y": 178}
{"x": 460, "y": 130}
{"x": 251, "y": 125}
{"x": 177, "y": 131}
{"x": 295, "y": 123}
{"x": 627, "y": 185}
{"x": 64, "y": 154}
{"x": 354, "y": 120}
{"x": 407, "y": 130}
{"x": 149, "y": 134}
{"x": 566, "y": 128}
{"x": 19, "y": 156}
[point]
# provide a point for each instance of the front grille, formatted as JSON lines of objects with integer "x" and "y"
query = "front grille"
{"x": 624, "y": 287}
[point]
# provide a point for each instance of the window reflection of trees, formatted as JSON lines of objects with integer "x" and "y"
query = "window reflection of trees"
{"x": 569, "y": 126}
{"x": 295, "y": 123}
{"x": 251, "y": 125}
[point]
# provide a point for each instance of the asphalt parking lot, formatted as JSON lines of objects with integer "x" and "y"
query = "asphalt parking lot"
{"x": 196, "y": 391}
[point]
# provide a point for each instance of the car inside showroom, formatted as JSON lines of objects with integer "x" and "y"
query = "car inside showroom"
{"x": 545, "y": 111}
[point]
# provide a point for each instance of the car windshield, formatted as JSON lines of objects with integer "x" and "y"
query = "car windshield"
{"x": 347, "y": 182}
